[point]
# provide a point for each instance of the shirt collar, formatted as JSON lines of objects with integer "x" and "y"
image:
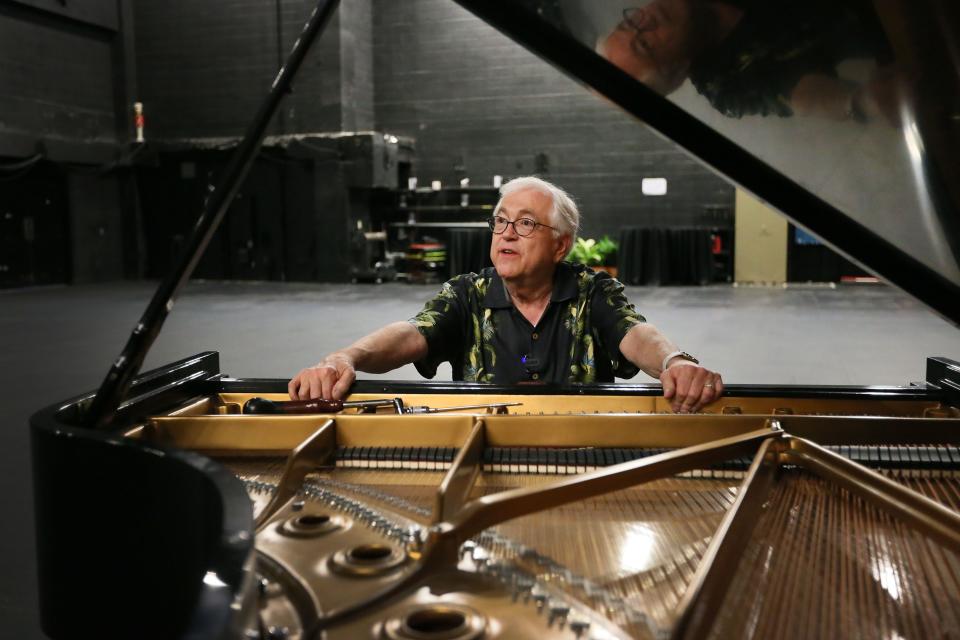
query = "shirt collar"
{"x": 564, "y": 283}
{"x": 564, "y": 288}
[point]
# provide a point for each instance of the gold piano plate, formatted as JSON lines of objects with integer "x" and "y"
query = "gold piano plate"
{"x": 594, "y": 516}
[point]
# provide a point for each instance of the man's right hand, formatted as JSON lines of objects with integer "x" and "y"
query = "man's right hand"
{"x": 330, "y": 380}
{"x": 383, "y": 350}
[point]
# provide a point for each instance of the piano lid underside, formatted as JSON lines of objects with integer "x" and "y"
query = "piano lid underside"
{"x": 843, "y": 116}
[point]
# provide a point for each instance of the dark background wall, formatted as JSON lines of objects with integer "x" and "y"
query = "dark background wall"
{"x": 65, "y": 87}
{"x": 58, "y": 75}
{"x": 475, "y": 103}
{"x": 203, "y": 68}
{"x": 478, "y": 105}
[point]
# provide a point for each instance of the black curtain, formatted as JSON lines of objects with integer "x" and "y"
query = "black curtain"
{"x": 665, "y": 256}
{"x": 468, "y": 250}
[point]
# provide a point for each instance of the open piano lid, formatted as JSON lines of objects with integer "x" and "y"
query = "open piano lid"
{"x": 845, "y": 115}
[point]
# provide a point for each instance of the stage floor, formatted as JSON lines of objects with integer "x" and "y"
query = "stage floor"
{"x": 59, "y": 341}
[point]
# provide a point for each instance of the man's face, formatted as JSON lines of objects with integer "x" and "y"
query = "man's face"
{"x": 530, "y": 257}
{"x": 653, "y": 44}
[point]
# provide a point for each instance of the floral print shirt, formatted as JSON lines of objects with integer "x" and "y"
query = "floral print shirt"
{"x": 473, "y": 325}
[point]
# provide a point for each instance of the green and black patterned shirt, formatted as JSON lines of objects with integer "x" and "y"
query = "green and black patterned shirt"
{"x": 473, "y": 325}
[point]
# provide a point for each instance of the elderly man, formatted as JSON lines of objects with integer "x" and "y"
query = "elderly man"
{"x": 532, "y": 317}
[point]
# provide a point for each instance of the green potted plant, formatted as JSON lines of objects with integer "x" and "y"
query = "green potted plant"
{"x": 600, "y": 255}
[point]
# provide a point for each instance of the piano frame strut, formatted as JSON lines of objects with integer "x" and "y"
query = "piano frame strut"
{"x": 456, "y": 518}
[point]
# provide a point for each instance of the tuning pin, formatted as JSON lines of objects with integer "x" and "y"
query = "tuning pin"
{"x": 538, "y": 597}
{"x": 524, "y": 583}
{"x": 591, "y": 589}
{"x": 414, "y": 539}
{"x": 558, "y": 610}
{"x": 278, "y": 633}
{"x": 578, "y": 626}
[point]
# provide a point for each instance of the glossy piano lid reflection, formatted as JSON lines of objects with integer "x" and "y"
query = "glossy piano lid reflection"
{"x": 843, "y": 115}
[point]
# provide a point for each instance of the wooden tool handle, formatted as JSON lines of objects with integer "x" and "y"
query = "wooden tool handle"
{"x": 290, "y": 407}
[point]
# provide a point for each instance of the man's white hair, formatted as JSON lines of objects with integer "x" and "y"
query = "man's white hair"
{"x": 564, "y": 214}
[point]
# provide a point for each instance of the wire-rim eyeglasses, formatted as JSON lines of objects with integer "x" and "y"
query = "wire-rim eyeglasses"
{"x": 523, "y": 226}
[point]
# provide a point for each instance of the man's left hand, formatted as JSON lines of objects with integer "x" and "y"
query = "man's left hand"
{"x": 690, "y": 386}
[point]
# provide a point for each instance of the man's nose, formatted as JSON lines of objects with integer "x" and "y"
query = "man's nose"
{"x": 510, "y": 231}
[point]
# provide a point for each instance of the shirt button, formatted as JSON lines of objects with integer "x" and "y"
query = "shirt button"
{"x": 535, "y": 336}
{"x": 535, "y": 376}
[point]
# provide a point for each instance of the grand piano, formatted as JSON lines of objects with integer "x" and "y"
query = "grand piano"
{"x": 165, "y": 509}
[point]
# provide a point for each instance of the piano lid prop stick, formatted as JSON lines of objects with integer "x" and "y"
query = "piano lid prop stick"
{"x": 100, "y": 412}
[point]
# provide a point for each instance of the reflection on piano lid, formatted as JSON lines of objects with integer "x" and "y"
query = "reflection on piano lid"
{"x": 844, "y": 116}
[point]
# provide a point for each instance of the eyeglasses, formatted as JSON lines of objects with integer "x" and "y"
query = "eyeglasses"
{"x": 638, "y": 43}
{"x": 630, "y": 21}
{"x": 523, "y": 226}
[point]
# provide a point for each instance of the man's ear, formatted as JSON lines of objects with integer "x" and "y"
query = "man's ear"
{"x": 563, "y": 247}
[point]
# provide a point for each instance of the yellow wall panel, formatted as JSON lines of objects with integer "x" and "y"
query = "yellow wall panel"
{"x": 761, "y": 242}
